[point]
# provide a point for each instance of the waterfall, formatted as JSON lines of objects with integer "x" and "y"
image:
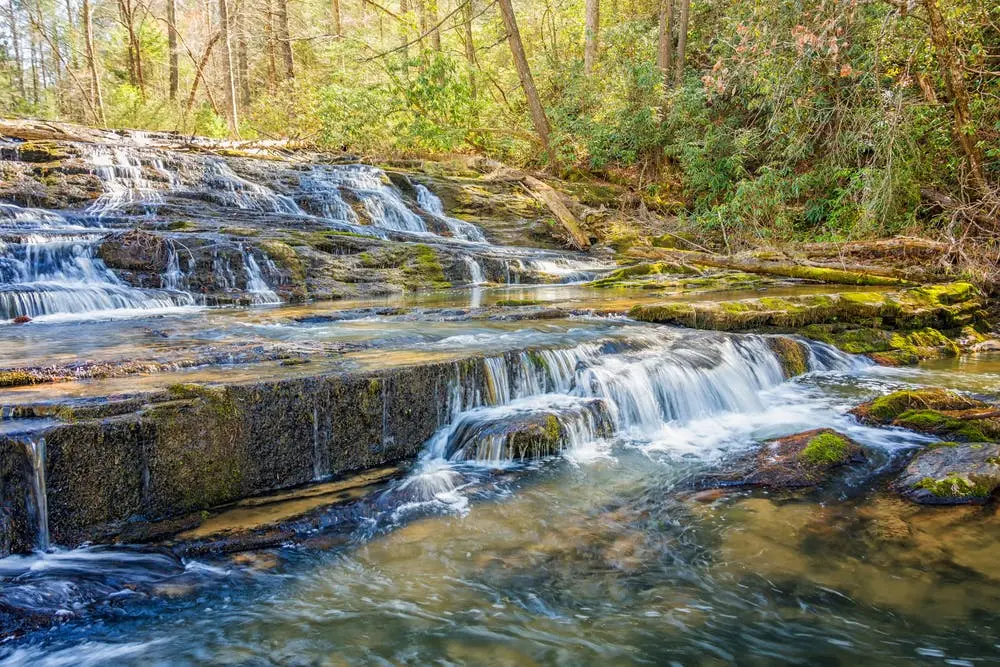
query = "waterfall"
{"x": 36, "y": 452}
{"x": 257, "y": 287}
{"x": 476, "y": 275}
{"x": 51, "y": 275}
{"x": 382, "y": 203}
{"x": 122, "y": 173}
{"x": 535, "y": 402}
{"x": 431, "y": 203}
{"x": 233, "y": 190}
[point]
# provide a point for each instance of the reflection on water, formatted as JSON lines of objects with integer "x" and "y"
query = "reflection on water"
{"x": 607, "y": 560}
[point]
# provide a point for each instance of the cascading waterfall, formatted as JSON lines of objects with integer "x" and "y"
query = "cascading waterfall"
{"x": 48, "y": 270}
{"x": 543, "y": 401}
{"x": 121, "y": 170}
{"x": 431, "y": 203}
{"x": 234, "y": 190}
{"x": 257, "y": 287}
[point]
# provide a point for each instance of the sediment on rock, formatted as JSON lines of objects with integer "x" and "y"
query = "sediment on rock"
{"x": 950, "y": 473}
{"x": 796, "y": 461}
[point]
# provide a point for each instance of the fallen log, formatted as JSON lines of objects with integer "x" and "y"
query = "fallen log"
{"x": 553, "y": 200}
{"x": 840, "y": 275}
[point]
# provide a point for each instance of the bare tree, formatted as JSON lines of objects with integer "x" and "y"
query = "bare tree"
{"x": 16, "y": 42}
{"x": 538, "y": 118}
{"x": 335, "y": 17}
{"x": 591, "y": 35}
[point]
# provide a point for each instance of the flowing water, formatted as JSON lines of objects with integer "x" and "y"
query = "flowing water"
{"x": 589, "y": 542}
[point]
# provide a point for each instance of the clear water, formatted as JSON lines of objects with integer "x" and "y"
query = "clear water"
{"x": 602, "y": 555}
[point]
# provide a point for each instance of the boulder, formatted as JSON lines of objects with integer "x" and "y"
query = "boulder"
{"x": 135, "y": 250}
{"x": 950, "y": 473}
{"x": 800, "y": 460}
{"x": 935, "y": 411}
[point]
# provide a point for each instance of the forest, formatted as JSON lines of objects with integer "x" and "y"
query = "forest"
{"x": 757, "y": 122}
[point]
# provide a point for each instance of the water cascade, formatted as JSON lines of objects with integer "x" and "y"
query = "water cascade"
{"x": 52, "y": 269}
{"x": 524, "y": 404}
{"x": 431, "y": 203}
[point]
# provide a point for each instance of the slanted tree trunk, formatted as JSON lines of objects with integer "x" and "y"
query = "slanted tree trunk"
{"x": 404, "y": 33}
{"x": 538, "y": 118}
{"x": 335, "y": 17}
{"x": 591, "y": 35}
{"x": 665, "y": 43}
{"x": 97, "y": 100}
{"x": 227, "y": 55}
{"x": 682, "y": 33}
{"x": 16, "y": 41}
{"x": 954, "y": 79}
{"x": 172, "y": 48}
{"x": 285, "y": 39}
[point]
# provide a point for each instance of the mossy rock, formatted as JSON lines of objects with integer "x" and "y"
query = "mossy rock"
{"x": 952, "y": 473}
{"x": 628, "y": 274}
{"x": 285, "y": 257}
{"x": 801, "y": 460}
{"x": 517, "y": 303}
{"x": 793, "y": 355}
{"x": 886, "y": 409}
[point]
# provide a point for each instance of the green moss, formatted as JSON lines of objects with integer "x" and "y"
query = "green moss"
{"x": 218, "y": 400}
{"x": 423, "y": 269}
{"x": 181, "y": 226}
{"x": 240, "y": 231}
{"x": 625, "y": 274}
{"x": 954, "y": 486}
{"x": 791, "y": 354}
{"x": 16, "y": 378}
{"x": 933, "y": 421}
{"x": 285, "y": 257}
{"x": 667, "y": 313}
{"x": 826, "y": 449}
{"x": 889, "y": 407}
{"x": 552, "y": 429}
{"x": 518, "y": 302}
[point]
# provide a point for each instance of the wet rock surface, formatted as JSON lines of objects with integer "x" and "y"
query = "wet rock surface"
{"x": 939, "y": 412}
{"x": 796, "y": 461}
{"x": 951, "y": 473}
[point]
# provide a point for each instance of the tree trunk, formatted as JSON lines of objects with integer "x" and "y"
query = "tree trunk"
{"x": 954, "y": 79}
{"x": 97, "y": 100}
{"x": 285, "y": 39}
{"x": 591, "y": 35}
{"x": 665, "y": 43}
{"x": 272, "y": 62}
{"x": 470, "y": 48}
{"x": 335, "y": 16}
{"x": 227, "y": 55}
{"x": 404, "y": 33}
{"x": 430, "y": 6}
{"x": 16, "y": 41}
{"x": 242, "y": 56}
{"x": 199, "y": 74}
{"x": 538, "y": 117}
{"x": 172, "y": 47}
{"x": 682, "y": 33}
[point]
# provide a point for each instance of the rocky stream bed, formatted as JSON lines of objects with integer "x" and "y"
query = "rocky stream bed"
{"x": 226, "y": 368}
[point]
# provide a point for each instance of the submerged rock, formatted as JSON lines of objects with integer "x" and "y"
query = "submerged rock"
{"x": 800, "y": 460}
{"x": 950, "y": 473}
{"x": 936, "y": 411}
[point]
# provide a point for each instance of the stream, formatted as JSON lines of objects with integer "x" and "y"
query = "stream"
{"x": 604, "y": 548}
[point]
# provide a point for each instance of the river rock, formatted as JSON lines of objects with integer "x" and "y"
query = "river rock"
{"x": 952, "y": 474}
{"x": 800, "y": 460}
{"x": 936, "y": 411}
{"x": 135, "y": 250}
